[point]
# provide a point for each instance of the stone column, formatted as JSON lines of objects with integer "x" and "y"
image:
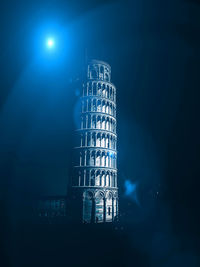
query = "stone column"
{"x": 79, "y": 179}
{"x": 91, "y": 126}
{"x": 89, "y": 177}
{"x": 104, "y": 209}
{"x": 86, "y": 121}
{"x": 90, "y": 157}
{"x": 85, "y": 139}
{"x": 95, "y": 155}
{"x": 87, "y": 105}
{"x": 85, "y": 158}
{"x": 81, "y": 140}
{"x": 101, "y": 159}
{"x": 84, "y": 178}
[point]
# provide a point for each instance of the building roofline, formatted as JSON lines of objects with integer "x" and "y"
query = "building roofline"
{"x": 99, "y": 62}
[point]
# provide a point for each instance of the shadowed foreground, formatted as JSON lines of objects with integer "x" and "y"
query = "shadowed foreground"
{"x": 72, "y": 245}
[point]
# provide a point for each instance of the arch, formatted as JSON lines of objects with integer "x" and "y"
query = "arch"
{"x": 87, "y": 178}
{"x": 115, "y": 161}
{"x": 98, "y": 124}
{"x": 111, "y": 142}
{"x": 106, "y": 160}
{"x": 103, "y": 159}
{"x": 99, "y": 105}
{"x": 88, "y": 139}
{"x": 94, "y": 74}
{"x": 103, "y": 90}
{"x": 104, "y": 106}
{"x": 94, "y": 121}
{"x": 88, "y": 194}
{"x": 87, "y": 106}
{"x": 103, "y": 178}
{"x": 93, "y": 142}
{"x": 107, "y": 107}
{"x": 114, "y": 140}
{"x": 93, "y": 158}
{"x": 98, "y": 141}
{"x": 101, "y": 69}
{"x": 107, "y": 141}
{"x": 89, "y": 121}
{"x": 109, "y": 194}
{"x": 100, "y": 181}
{"x": 83, "y": 178}
{"x": 111, "y": 179}
{"x": 90, "y": 88}
{"x": 99, "y": 194}
{"x": 97, "y": 178}
{"x": 94, "y": 88}
{"x": 107, "y": 178}
{"x": 110, "y": 125}
{"x": 87, "y": 157}
{"x": 115, "y": 194}
{"x": 99, "y": 89}
{"x": 107, "y": 91}
{"x": 114, "y": 127}
{"x": 98, "y": 158}
{"x": 106, "y": 77}
{"x": 103, "y": 141}
{"x": 94, "y": 104}
{"x": 107, "y": 124}
{"x": 92, "y": 178}
{"x": 104, "y": 123}
{"x": 109, "y": 206}
{"x": 99, "y": 212}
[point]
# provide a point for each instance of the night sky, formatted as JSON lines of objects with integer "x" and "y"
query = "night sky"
{"x": 153, "y": 49}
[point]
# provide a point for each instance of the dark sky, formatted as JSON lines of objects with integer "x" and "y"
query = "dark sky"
{"x": 153, "y": 49}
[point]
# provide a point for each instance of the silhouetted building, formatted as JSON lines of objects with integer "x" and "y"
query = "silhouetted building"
{"x": 51, "y": 206}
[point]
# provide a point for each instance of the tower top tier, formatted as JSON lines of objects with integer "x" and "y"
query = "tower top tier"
{"x": 99, "y": 70}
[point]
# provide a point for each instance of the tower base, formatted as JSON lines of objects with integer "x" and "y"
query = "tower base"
{"x": 94, "y": 205}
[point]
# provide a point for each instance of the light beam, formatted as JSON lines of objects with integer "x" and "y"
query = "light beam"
{"x": 50, "y": 43}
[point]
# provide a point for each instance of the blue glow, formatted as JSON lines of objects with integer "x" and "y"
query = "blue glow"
{"x": 130, "y": 190}
{"x": 50, "y": 43}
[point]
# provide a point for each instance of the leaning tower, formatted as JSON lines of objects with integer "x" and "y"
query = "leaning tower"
{"x": 94, "y": 183}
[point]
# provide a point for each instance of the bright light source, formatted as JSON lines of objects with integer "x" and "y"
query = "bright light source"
{"x": 50, "y": 43}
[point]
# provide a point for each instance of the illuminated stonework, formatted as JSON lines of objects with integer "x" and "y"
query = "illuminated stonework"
{"x": 94, "y": 182}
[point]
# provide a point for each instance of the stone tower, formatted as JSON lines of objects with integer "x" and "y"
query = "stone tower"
{"x": 94, "y": 183}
